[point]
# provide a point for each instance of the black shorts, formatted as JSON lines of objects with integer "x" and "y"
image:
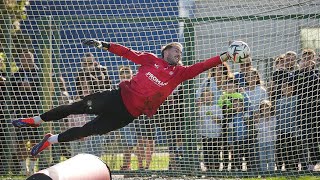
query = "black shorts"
{"x": 111, "y": 111}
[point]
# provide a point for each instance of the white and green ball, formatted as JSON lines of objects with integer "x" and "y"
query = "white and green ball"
{"x": 238, "y": 51}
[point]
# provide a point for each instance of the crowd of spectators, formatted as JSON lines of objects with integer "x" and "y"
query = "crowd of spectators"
{"x": 267, "y": 128}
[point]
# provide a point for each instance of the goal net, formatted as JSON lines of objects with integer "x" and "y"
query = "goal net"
{"x": 258, "y": 118}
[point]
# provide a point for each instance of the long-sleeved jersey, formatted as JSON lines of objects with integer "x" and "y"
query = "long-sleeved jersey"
{"x": 155, "y": 80}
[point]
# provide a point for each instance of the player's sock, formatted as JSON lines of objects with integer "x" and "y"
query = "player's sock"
{"x": 31, "y": 166}
{"x": 37, "y": 120}
{"x": 53, "y": 139}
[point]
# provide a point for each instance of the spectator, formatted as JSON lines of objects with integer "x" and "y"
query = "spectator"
{"x": 287, "y": 126}
{"x": 244, "y": 67}
{"x": 216, "y": 80}
{"x": 255, "y": 89}
{"x": 279, "y": 62}
{"x": 232, "y": 91}
{"x": 291, "y": 63}
{"x": 26, "y": 87}
{"x": 210, "y": 127}
{"x": 232, "y": 86}
{"x": 146, "y": 134}
{"x": 307, "y": 55}
{"x": 3, "y": 125}
{"x": 91, "y": 78}
{"x": 217, "y": 76}
{"x": 239, "y": 139}
{"x": 309, "y": 112}
{"x": 274, "y": 84}
{"x": 171, "y": 116}
{"x": 61, "y": 96}
{"x": 179, "y": 151}
{"x": 285, "y": 66}
{"x": 14, "y": 163}
{"x": 83, "y": 89}
{"x": 128, "y": 133}
{"x": 224, "y": 102}
{"x": 266, "y": 126}
{"x": 93, "y": 74}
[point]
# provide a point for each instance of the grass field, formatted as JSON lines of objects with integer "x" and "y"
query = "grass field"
{"x": 116, "y": 177}
{"x": 160, "y": 162}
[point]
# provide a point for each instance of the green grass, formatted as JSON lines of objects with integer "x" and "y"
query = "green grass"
{"x": 159, "y": 161}
{"x": 13, "y": 177}
{"x": 170, "y": 178}
{"x": 271, "y": 178}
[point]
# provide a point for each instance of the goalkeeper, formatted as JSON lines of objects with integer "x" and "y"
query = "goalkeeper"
{"x": 143, "y": 94}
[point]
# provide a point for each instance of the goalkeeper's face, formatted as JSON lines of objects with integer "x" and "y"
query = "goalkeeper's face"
{"x": 173, "y": 55}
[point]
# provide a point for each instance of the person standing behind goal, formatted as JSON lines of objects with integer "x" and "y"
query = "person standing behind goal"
{"x": 128, "y": 133}
{"x": 92, "y": 75}
{"x": 143, "y": 94}
{"x": 25, "y": 96}
{"x": 91, "y": 78}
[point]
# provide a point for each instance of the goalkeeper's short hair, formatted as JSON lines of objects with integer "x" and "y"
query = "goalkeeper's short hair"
{"x": 169, "y": 46}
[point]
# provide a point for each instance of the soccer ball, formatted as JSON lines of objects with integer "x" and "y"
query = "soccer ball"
{"x": 238, "y": 51}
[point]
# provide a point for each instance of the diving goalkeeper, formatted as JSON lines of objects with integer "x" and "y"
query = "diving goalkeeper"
{"x": 143, "y": 94}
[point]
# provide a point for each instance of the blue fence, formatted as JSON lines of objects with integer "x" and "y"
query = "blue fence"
{"x": 142, "y": 36}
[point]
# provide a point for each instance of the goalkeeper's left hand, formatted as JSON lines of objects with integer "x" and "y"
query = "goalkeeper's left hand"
{"x": 224, "y": 57}
{"x": 92, "y": 42}
{"x": 96, "y": 43}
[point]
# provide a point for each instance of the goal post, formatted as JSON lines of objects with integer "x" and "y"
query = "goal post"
{"x": 191, "y": 136}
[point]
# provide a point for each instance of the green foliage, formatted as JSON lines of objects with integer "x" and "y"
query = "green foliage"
{"x": 16, "y": 10}
{"x": 13, "y": 66}
{"x": 12, "y": 41}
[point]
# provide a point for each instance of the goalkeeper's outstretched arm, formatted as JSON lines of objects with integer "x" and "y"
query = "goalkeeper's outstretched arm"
{"x": 120, "y": 50}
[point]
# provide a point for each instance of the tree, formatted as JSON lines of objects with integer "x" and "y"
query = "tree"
{"x": 12, "y": 41}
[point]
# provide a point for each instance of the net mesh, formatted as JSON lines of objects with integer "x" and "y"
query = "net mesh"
{"x": 236, "y": 120}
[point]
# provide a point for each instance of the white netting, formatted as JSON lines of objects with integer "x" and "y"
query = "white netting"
{"x": 197, "y": 131}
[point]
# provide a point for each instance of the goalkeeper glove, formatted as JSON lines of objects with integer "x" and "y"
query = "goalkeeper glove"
{"x": 224, "y": 57}
{"x": 96, "y": 43}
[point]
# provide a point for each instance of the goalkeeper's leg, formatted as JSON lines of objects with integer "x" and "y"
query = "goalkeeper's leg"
{"x": 91, "y": 104}
{"x": 114, "y": 117}
{"x": 102, "y": 124}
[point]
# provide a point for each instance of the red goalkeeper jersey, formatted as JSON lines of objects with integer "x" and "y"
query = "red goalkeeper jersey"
{"x": 155, "y": 80}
